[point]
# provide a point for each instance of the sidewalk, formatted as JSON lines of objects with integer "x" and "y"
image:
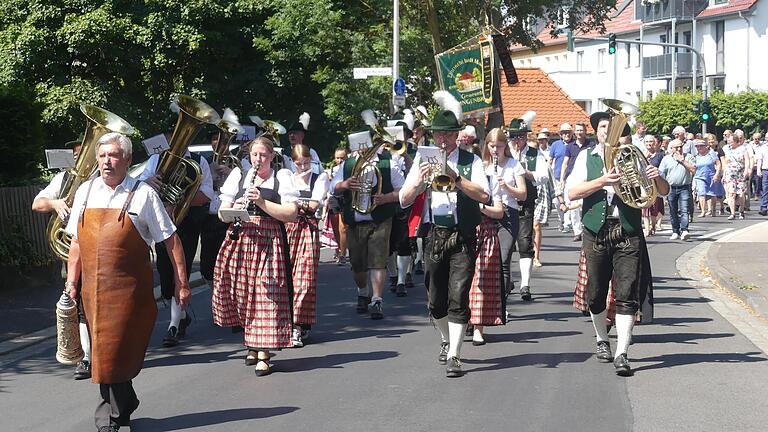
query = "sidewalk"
{"x": 739, "y": 263}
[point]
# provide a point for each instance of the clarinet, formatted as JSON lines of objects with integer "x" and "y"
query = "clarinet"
{"x": 248, "y": 205}
{"x": 495, "y": 164}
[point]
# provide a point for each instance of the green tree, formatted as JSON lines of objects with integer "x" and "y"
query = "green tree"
{"x": 22, "y": 141}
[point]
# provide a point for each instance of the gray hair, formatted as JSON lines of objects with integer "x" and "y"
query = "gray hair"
{"x": 117, "y": 139}
{"x": 677, "y": 130}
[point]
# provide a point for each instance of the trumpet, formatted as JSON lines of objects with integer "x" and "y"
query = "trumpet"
{"x": 442, "y": 182}
{"x": 398, "y": 148}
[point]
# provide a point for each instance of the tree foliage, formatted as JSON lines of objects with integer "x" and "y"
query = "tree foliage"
{"x": 276, "y": 58}
{"x": 22, "y": 141}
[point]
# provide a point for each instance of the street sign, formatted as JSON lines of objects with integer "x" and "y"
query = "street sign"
{"x": 363, "y": 73}
{"x": 398, "y": 100}
{"x": 399, "y": 87}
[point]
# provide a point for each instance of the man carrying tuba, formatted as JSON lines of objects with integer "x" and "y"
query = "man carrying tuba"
{"x": 454, "y": 214}
{"x": 368, "y": 233}
{"x": 613, "y": 241}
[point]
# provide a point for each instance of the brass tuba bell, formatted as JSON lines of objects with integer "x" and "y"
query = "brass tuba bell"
{"x": 634, "y": 188}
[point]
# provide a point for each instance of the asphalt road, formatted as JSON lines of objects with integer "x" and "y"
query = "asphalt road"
{"x": 693, "y": 370}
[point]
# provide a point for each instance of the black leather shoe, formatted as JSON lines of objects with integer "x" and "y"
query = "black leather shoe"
{"x": 604, "y": 351}
{"x": 442, "y": 358}
{"x": 362, "y": 304}
{"x": 183, "y": 325}
{"x": 454, "y": 368}
{"x": 622, "y": 366}
{"x": 171, "y": 338}
{"x": 525, "y": 293}
{"x": 83, "y": 370}
{"x": 401, "y": 291}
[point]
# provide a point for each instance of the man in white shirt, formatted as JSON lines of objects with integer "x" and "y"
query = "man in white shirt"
{"x": 189, "y": 233}
{"x": 449, "y": 255}
{"x": 761, "y": 164}
{"x": 115, "y": 221}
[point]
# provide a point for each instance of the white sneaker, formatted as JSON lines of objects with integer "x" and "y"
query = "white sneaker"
{"x": 296, "y": 341}
{"x": 674, "y": 236}
{"x": 684, "y": 236}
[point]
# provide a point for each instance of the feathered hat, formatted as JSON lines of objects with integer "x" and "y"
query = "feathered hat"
{"x": 302, "y": 125}
{"x": 523, "y": 124}
{"x": 448, "y": 118}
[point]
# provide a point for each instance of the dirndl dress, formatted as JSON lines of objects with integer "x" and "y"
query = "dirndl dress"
{"x": 487, "y": 290}
{"x": 304, "y": 246}
{"x": 252, "y": 285}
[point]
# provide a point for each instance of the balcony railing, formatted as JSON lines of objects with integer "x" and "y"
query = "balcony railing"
{"x": 660, "y": 67}
{"x": 663, "y": 10}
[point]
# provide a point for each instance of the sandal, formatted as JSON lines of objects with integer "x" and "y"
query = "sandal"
{"x": 263, "y": 372}
{"x": 251, "y": 358}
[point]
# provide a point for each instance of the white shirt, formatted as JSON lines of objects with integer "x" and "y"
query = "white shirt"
{"x": 53, "y": 189}
{"x": 761, "y": 157}
{"x": 395, "y": 176}
{"x": 231, "y": 187}
{"x": 579, "y": 173}
{"x": 206, "y": 185}
{"x": 541, "y": 175}
{"x": 444, "y": 203}
{"x": 509, "y": 173}
{"x": 145, "y": 210}
{"x": 303, "y": 184}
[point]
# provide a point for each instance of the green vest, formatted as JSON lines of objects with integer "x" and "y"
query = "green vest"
{"x": 467, "y": 209}
{"x": 382, "y": 211}
{"x": 593, "y": 209}
{"x": 530, "y": 158}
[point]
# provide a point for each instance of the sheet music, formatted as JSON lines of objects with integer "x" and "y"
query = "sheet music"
{"x": 60, "y": 158}
{"x": 230, "y": 215}
{"x": 156, "y": 144}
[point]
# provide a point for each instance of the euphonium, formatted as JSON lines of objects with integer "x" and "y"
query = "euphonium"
{"x": 181, "y": 177}
{"x": 99, "y": 123}
{"x": 442, "y": 182}
{"x": 365, "y": 169}
{"x": 634, "y": 188}
{"x": 228, "y": 130}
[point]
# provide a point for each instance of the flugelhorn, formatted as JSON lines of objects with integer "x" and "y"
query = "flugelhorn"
{"x": 634, "y": 187}
{"x": 442, "y": 182}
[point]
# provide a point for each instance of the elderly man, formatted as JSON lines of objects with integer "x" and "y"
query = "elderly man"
{"x": 678, "y": 169}
{"x": 757, "y": 177}
{"x": 638, "y": 139}
{"x": 580, "y": 143}
{"x": 467, "y": 138}
{"x": 116, "y": 218}
{"x": 613, "y": 243}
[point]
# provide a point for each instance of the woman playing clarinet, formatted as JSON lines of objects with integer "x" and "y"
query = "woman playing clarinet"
{"x": 252, "y": 285}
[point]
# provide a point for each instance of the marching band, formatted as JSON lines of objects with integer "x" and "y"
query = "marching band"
{"x": 411, "y": 193}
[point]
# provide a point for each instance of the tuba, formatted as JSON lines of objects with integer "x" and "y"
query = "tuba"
{"x": 229, "y": 127}
{"x": 99, "y": 123}
{"x": 181, "y": 177}
{"x": 635, "y": 188}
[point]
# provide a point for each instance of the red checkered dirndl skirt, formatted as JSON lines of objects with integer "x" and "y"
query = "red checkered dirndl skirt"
{"x": 251, "y": 286}
{"x": 580, "y": 293}
{"x": 485, "y": 292}
{"x": 304, "y": 245}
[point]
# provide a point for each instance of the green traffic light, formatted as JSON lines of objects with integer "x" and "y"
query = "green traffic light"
{"x": 611, "y": 50}
{"x": 705, "y": 117}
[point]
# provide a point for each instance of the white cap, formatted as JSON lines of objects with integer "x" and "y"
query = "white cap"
{"x": 565, "y": 127}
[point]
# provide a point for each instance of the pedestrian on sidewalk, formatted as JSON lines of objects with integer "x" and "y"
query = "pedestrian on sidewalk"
{"x": 717, "y": 185}
{"x": 115, "y": 220}
{"x": 738, "y": 168}
{"x": 761, "y": 162}
{"x": 677, "y": 169}
{"x": 707, "y": 174}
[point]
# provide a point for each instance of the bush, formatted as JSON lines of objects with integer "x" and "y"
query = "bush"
{"x": 22, "y": 143}
{"x": 16, "y": 250}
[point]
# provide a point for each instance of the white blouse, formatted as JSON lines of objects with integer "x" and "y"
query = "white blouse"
{"x": 509, "y": 172}
{"x": 231, "y": 187}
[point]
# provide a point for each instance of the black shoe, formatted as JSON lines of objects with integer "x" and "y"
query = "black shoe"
{"x": 401, "y": 291}
{"x": 419, "y": 268}
{"x": 763, "y": 213}
{"x": 237, "y": 329}
{"x": 171, "y": 338}
{"x": 183, "y": 325}
{"x": 83, "y": 370}
{"x": 604, "y": 351}
{"x": 525, "y": 293}
{"x": 442, "y": 358}
{"x": 377, "y": 312}
{"x": 454, "y": 368}
{"x": 622, "y": 366}
{"x": 125, "y": 420}
{"x": 408, "y": 280}
{"x": 362, "y": 304}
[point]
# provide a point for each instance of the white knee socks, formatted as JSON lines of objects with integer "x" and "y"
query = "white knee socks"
{"x": 85, "y": 341}
{"x": 624, "y": 324}
{"x": 442, "y": 327}
{"x": 419, "y": 252}
{"x": 601, "y": 329}
{"x": 177, "y": 314}
{"x": 456, "y": 335}
{"x": 402, "y": 268}
{"x": 525, "y": 271}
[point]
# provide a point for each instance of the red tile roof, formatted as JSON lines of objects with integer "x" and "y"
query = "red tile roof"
{"x": 732, "y": 6}
{"x": 624, "y": 22}
{"x": 537, "y": 92}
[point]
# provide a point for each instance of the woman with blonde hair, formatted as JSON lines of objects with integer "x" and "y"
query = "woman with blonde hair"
{"x": 252, "y": 285}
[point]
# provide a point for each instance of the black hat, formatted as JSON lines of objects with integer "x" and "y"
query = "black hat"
{"x": 73, "y": 143}
{"x": 595, "y": 118}
{"x": 301, "y": 125}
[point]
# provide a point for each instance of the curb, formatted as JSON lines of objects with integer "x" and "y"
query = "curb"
{"x": 6, "y": 347}
{"x": 729, "y": 281}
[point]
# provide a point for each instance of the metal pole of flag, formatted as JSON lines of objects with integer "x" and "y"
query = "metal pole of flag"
{"x": 395, "y": 48}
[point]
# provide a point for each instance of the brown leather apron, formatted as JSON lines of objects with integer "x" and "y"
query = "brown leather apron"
{"x": 117, "y": 291}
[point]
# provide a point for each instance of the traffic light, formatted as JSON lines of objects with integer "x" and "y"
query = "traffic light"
{"x": 696, "y": 106}
{"x": 705, "y": 113}
{"x": 611, "y": 43}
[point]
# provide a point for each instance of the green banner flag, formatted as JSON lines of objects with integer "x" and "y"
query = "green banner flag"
{"x": 469, "y": 73}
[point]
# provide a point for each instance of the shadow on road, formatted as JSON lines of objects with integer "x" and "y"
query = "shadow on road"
{"x": 683, "y": 338}
{"x": 679, "y": 321}
{"x": 332, "y": 361}
{"x": 193, "y": 420}
{"x": 528, "y": 337}
{"x": 175, "y": 358}
{"x": 672, "y": 360}
{"x": 544, "y": 360}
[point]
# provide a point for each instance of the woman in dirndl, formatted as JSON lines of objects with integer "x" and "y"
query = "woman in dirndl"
{"x": 252, "y": 279}
{"x": 304, "y": 242}
{"x": 497, "y": 234}
{"x": 653, "y": 214}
